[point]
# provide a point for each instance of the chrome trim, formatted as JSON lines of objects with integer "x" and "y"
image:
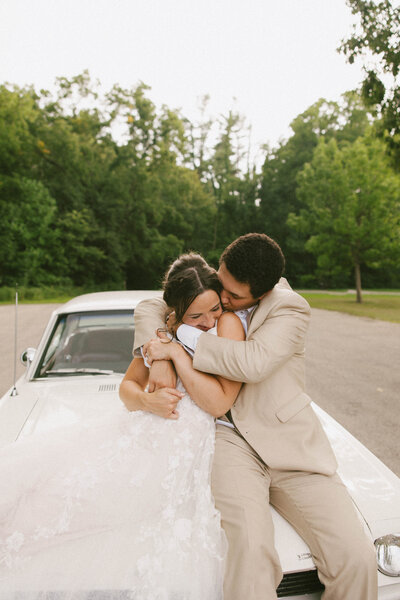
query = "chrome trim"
{"x": 27, "y": 356}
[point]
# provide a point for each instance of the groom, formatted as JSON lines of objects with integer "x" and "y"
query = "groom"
{"x": 270, "y": 447}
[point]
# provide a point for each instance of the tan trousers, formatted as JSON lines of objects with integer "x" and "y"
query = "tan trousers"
{"x": 319, "y": 508}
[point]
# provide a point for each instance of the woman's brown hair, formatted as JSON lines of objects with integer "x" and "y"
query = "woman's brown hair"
{"x": 187, "y": 277}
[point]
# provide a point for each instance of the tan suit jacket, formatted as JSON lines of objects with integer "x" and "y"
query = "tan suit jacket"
{"x": 272, "y": 410}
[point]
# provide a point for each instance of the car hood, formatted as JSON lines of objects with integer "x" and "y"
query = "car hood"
{"x": 374, "y": 488}
{"x": 43, "y": 405}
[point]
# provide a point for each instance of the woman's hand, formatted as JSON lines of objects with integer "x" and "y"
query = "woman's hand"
{"x": 158, "y": 349}
{"x": 163, "y": 402}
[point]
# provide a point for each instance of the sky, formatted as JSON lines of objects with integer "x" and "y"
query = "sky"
{"x": 267, "y": 59}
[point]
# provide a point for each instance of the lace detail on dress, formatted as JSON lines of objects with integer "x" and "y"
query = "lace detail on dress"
{"x": 119, "y": 506}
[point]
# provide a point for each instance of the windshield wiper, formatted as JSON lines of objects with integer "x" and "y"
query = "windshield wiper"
{"x": 83, "y": 371}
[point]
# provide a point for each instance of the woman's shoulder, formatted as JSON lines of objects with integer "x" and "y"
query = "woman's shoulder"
{"x": 229, "y": 317}
{"x": 229, "y": 325}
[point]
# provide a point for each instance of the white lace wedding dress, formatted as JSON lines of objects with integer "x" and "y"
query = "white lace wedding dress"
{"x": 119, "y": 508}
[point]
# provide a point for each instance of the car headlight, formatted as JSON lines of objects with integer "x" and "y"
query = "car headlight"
{"x": 388, "y": 554}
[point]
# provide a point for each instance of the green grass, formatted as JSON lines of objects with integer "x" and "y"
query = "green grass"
{"x": 42, "y": 295}
{"x": 374, "y": 306}
{"x": 50, "y": 300}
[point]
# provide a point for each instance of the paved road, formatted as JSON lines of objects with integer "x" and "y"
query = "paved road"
{"x": 352, "y": 370}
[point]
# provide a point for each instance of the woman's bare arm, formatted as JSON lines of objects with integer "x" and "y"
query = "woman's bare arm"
{"x": 161, "y": 402}
{"x": 214, "y": 394}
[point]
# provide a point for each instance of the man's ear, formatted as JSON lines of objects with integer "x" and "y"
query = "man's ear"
{"x": 264, "y": 295}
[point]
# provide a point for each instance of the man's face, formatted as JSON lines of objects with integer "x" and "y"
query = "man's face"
{"x": 235, "y": 295}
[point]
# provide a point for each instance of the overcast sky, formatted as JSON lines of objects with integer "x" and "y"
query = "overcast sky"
{"x": 275, "y": 57}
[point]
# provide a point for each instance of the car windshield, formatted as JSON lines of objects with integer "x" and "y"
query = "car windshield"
{"x": 89, "y": 343}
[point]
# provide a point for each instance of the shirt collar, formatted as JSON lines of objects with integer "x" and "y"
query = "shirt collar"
{"x": 246, "y": 311}
{"x": 244, "y": 315}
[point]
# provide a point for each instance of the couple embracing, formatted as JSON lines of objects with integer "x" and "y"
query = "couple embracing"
{"x": 270, "y": 447}
{"x": 122, "y": 507}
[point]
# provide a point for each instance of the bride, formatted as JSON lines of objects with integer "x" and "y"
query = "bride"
{"x": 120, "y": 507}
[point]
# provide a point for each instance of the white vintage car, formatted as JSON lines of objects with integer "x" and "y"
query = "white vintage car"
{"x": 77, "y": 369}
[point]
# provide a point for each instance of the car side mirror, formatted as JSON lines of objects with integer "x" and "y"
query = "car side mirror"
{"x": 27, "y": 356}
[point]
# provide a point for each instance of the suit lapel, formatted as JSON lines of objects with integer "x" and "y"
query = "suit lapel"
{"x": 261, "y": 312}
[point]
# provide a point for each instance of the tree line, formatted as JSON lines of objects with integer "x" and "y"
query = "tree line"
{"x": 103, "y": 190}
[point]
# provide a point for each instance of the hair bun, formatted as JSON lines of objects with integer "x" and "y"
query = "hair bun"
{"x": 185, "y": 261}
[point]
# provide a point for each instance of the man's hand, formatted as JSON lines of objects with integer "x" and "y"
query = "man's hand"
{"x": 163, "y": 403}
{"x": 162, "y": 375}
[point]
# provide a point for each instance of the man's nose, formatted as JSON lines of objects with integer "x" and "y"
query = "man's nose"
{"x": 224, "y": 297}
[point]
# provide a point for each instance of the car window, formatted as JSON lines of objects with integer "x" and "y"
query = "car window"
{"x": 89, "y": 342}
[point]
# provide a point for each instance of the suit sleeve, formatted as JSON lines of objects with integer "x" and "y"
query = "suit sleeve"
{"x": 275, "y": 341}
{"x": 148, "y": 316}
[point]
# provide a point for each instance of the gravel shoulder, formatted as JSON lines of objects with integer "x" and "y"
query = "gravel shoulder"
{"x": 352, "y": 370}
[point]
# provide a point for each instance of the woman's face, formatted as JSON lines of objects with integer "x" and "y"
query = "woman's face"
{"x": 203, "y": 311}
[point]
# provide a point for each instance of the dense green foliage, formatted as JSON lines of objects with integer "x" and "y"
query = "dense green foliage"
{"x": 375, "y": 40}
{"x": 291, "y": 212}
{"x": 352, "y": 208}
{"x": 103, "y": 191}
{"x": 78, "y": 207}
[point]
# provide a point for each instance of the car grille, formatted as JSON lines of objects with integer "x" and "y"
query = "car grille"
{"x": 302, "y": 582}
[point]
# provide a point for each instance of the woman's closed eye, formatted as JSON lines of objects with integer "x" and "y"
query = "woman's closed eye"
{"x": 215, "y": 309}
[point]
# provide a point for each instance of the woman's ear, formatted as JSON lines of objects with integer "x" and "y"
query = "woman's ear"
{"x": 172, "y": 324}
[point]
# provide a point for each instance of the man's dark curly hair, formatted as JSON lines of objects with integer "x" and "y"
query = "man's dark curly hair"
{"x": 255, "y": 259}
